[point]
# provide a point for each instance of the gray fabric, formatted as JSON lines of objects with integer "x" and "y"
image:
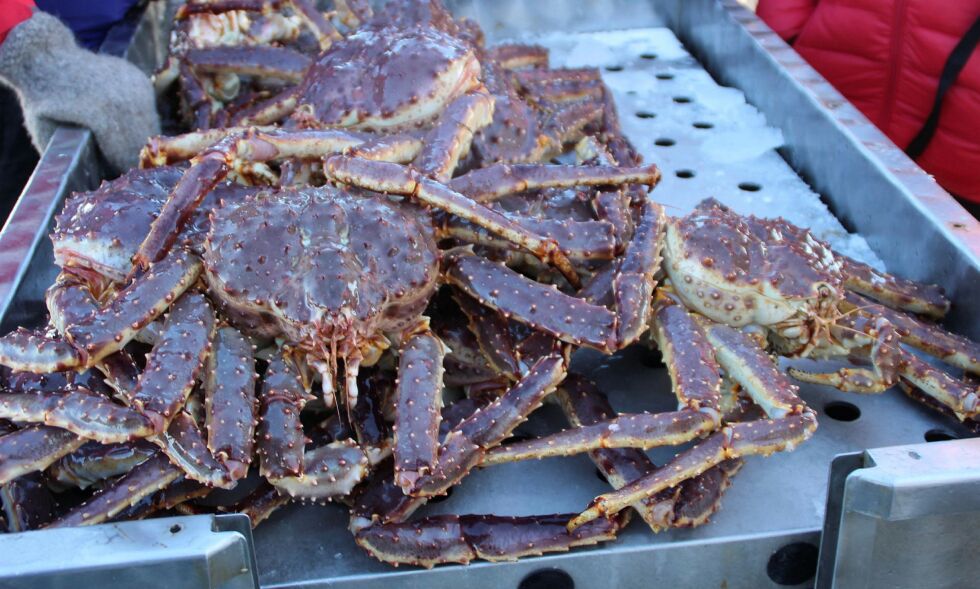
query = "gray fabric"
{"x": 58, "y": 82}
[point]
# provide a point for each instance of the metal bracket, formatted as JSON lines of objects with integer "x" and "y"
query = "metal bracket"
{"x": 904, "y": 516}
{"x": 192, "y": 552}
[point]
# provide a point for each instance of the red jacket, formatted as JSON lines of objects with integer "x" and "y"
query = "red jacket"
{"x": 886, "y": 57}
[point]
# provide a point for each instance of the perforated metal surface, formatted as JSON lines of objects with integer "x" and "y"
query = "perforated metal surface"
{"x": 774, "y": 501}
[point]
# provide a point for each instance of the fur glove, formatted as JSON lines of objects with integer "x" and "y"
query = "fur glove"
{"x": 60, "y": 83}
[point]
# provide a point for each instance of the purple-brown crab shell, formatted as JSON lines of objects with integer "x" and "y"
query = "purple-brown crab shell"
{"x": 386, "y": 77}
{"x": 324, "y": 262}
{"x": 102, "y": 229}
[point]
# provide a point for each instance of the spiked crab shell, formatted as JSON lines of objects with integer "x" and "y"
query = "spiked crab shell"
{"x": 411, "y": 76}
{"x": 332, "y": 268}
{"x": 718, "y": 265}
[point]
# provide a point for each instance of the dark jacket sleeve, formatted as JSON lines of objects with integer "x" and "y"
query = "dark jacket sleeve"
{"x": 786, "y": 17}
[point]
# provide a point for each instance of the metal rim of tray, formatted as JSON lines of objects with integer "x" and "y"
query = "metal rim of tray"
{"x": 719, "y": 33}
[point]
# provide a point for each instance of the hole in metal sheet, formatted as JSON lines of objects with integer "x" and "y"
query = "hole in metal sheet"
{"x": 441, "y": 498}
{"x": 842, "y": 411}
{"x": 665, "y": 76}
{"x": 614, "y": 68}
{"x": 175, "y": 528}
{"x": 702, "y": 125}
{"x": 793, "y": 564}
{"x": 940, "y": 435}
{"x": 547, "y": 579}
{"x": 684, "y": 174}
{"x": 750, "y": 186}
{"x": 645, "y": 114}
{"x": 648, "y": 56}
{"x": 682, "y": 99}
{"x": 600, "y": 475}
{"x": 664, "y": 142}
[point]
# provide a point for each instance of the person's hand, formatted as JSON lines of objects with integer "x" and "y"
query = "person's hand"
{"x": 60, "y": 83}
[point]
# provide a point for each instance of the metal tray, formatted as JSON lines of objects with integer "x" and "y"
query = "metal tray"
{"x": 771, "y": 519}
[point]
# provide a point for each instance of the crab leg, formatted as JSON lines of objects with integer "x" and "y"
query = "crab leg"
{"x": 890, "y": 362}
{"x": 690, "y": 504}
{"x": 951, "y": 348}
{"x": 561, "y": 92}
{"x": 515, "y": 57}
{"x": 419, "y": 400}
{"x": 962, "y": 397}
{"x": 169, "y": 497}
{"x": 325, "y": 32}
{"x": 541, "y": 307}
{"x": 633, "y": 284}
{"x": 696, "y": 381}
{"x": 32, "y": 351}
{"x": 27, "y": 503}
{"x": 925, "y": 299}
{"x": 174, "y": 364}
{"x": 466, "y": 444}
{"x": 185, "y": 446}
{"x": 268, "y": 111}
{"x": 146, "y": 298}
{"x": 353, "y": 13}
{"x": 580, "y": 240}
{"x": 461, "y": 538}
{"x": 453, "y": 134}
{"x": 260, "y": 61}
{"x": 750, "y": 367}
{"x": 280, "y": 439}
{"x": 147, "y": 478}
{"x": 639, "y": 430}
{"x": 33, "y": 448}
{"x": 368, "y": 420}
{"x": 229, "y": 401}
{"x": 214, "y": 163}
{"x": 261, "y": 503}
{"x": 319, "y": 474}
{"x": 492, "y": 336}
{"x": 96, "y": 462}
{"x": 396, "y": 179}
{"x": 329, "y": 471}
{"x": 196, "y": 99}
{"x": 79, "y": 411}
{"x": 493, "y": 182}
{"x": 162, "y": 150}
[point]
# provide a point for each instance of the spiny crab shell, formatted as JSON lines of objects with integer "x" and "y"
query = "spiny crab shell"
{"x": 329, "y": 266}
{"x": 724, "y": 267}
{"x": 102, "y": 229}
{"x": 386, "y": 78}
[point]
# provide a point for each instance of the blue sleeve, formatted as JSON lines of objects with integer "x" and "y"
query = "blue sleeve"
{"x": 89, "y": 20}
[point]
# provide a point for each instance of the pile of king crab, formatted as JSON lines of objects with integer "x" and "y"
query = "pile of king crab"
{"x": 361, "y": 271}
